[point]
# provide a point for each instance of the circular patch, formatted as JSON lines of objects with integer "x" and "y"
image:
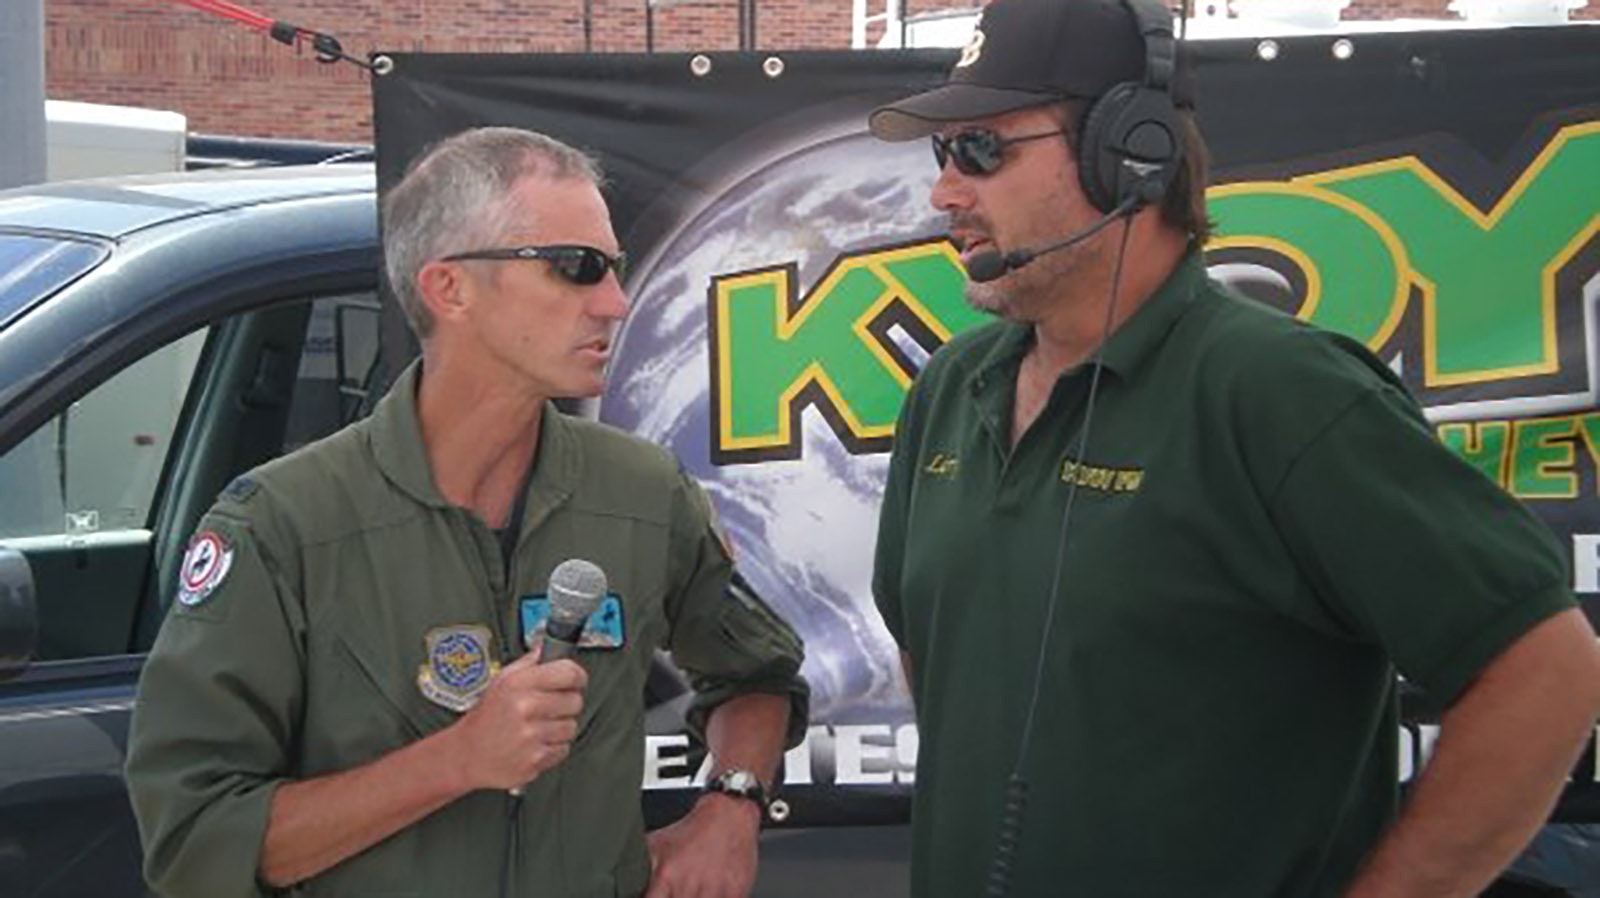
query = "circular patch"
{"x": 459, "y": 661}
{"x": 205, "y": 566}
{"x": 460, "y": 665}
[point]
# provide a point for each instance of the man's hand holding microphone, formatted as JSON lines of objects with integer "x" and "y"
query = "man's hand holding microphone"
{"x": 527, "y": 719}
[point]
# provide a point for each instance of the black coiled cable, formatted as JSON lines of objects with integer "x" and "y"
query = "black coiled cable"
{"x": 1003, "y": 865}
{"x": 1005, "y": 849}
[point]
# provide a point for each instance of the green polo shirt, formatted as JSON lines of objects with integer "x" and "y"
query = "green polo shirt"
{"x": 1263, "y": 530}
{"x": 334, "y": 605}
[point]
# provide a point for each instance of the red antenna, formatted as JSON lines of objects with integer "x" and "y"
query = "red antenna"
{"x": 326, "y": 46}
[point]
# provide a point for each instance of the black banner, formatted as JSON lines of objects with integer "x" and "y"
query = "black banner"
{"x": 1434, "y": 194}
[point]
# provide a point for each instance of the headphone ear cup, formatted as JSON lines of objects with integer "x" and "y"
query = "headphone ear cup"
{"x": 1129, "y": 148}
{"x": 1097, "y": 169}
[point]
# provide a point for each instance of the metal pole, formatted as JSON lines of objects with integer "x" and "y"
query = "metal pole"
{"x": 22, "y": 147}
{"x": 747, "y": 24}
{"x": 588, "y": 26}
{"x": 649, "y": 27}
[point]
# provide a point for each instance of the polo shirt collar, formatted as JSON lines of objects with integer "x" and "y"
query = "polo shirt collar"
{"x": 1128, "y": 347}
{"x": 1144, "y": 331}
{"x": 395, "y": 436}
{"x": 999, "y": 365}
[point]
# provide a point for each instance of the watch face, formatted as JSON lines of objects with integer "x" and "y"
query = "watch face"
{"x": 739, "y": 780}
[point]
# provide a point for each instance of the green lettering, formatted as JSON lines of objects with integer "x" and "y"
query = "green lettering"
{"x": 1487, "y": 279}
{"x": 773, "y": 354}
{"x": 1365, "y": 237}
{"x": 1352, "y": 261}
{"x": 1542, "y": 453}
{"x": 1483, "y": 445}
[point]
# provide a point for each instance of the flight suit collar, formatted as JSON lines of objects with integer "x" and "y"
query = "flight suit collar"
{"x": 396, "y": 440}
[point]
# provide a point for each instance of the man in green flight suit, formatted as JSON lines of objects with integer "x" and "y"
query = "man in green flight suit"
{"x": 344, "y": 699}
{"x": 1154, "y": 553}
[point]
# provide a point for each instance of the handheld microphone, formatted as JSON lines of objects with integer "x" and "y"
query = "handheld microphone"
{"x": 576, "y": 587}
{"x": 988, "y": 266}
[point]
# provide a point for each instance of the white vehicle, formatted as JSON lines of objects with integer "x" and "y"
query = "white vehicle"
{"x": 93, "y": 140}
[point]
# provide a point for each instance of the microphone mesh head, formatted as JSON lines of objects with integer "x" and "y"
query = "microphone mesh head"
{"x": 985, "y": 267}
{"x": 576, "y": 587}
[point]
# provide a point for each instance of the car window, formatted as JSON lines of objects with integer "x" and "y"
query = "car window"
{"x": 34, "y": 266}
{"x": 81, "y": 495}
{"x": 94, "y": 467}
{"x": 336, "y": 367}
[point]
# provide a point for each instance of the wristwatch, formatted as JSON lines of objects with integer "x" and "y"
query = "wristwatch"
{"x": 744, "y": 784}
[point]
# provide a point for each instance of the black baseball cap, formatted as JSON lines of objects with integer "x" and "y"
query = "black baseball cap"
{"x": 1025, "y": 53}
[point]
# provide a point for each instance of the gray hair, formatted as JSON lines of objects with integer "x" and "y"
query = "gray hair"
{"x": 456, "y": 197}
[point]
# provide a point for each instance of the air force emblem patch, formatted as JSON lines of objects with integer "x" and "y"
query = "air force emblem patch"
{"x": 205, "y": 566}
{"x": 459, "y": 667}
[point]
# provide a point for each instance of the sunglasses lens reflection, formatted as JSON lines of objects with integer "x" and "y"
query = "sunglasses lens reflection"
{"x": 584, "y": 266}
{"x": 974, "y": 152}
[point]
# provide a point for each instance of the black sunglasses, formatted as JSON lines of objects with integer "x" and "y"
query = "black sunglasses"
{"x": 978, "y": 151}
{"x": 581, "y": 265}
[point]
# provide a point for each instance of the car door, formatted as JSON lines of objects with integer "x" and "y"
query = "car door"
{"x": 100, "y": 499}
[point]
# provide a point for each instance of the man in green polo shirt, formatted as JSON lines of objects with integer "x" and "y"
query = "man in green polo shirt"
{"x": 344, "y": 700}
{"x": 1154, "y": 553}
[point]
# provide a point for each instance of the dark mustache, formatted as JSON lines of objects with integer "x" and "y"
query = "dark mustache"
{"x": 959, "y": 221}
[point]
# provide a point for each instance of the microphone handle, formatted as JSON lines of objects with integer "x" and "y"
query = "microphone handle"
{"x": 555, "y": 649}
{"x": 552, "y": 649}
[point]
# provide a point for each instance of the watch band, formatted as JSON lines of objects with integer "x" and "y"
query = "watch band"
{"x": 740, "y": 784}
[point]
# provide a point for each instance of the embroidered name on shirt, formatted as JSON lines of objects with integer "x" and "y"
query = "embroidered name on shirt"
{"x": 1105, "y": 480}
{"x": 944, "y": 466}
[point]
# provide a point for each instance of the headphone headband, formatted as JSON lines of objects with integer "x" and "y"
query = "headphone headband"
{"x": 1154, "y": 21}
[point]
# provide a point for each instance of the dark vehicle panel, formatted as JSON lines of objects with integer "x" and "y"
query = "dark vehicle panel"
{"x": 144, "y": 360}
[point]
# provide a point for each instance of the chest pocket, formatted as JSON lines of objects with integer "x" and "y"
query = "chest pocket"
{"x": 366, "y": 650}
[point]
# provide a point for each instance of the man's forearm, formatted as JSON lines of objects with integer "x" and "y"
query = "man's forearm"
{"x": 1505, "y": 748}
{"x": 747, "y": 731}
{"x": 315, "y": 824}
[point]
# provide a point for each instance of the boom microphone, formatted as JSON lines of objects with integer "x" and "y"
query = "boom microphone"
{"x": 576, "y": 587}
{"x": 993, "y": 264}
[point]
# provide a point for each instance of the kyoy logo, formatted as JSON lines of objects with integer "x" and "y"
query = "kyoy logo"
{"x": 840, "y": 347}
{"x": 1369, "y": 239}
{"x": 1482, "y": 301}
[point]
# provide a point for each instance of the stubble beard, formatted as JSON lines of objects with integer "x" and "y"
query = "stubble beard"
{"x": 1025, "y": 295}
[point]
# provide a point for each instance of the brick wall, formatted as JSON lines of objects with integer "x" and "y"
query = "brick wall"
{"x": 229, "y": 79}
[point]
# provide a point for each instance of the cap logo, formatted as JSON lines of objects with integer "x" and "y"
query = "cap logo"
{"x": 971, "y": 52}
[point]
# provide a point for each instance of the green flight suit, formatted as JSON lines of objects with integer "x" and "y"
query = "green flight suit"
{"x": 328, "y": 590}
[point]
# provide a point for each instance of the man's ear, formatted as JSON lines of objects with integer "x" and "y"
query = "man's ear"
{"x": 444, "y": 288}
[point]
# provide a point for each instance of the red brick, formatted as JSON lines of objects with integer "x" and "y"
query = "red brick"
{"x": 229, "y": 79}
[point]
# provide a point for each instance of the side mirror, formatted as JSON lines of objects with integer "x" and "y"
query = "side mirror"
{"x": 19, "y": 614}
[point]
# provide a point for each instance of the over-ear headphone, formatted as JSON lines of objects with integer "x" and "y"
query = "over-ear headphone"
{"x": 1130, "y": 139}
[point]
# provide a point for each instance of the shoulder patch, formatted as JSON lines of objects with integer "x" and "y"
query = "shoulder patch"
{"x": 205, "y": 566}
{"x": 241, "y": 489}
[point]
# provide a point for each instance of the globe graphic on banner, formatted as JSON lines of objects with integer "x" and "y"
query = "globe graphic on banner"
{"x": 803, "y": 529}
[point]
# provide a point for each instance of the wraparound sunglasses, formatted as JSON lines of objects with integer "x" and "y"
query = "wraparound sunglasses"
{"x": 581, "y": 265}
{"x": 978, "y": 151}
